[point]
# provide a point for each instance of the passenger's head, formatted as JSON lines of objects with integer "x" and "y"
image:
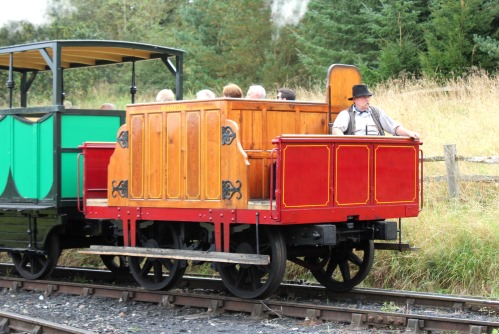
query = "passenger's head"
{"x": 165, "y": 95}
{"x": 286, "y": 94}
{"x": 205, "y": 94}
{"x": 256, "y": 92}
{"x": 107, "y": 106}
{"x": 232, "y": 90}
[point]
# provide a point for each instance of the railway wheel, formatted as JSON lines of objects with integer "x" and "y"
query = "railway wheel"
{"x": 255, "y": 281}
{"x": 346, "y": 266}
{"x": 156, "y": 273}
{"x": 38, "y": 265}
{"x": 117, "y": 264}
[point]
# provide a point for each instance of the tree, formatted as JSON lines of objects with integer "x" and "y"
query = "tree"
{"x": 451, "y": 48}
{"x": 227, "y": 41}
{"x": 337, "y": 32}
{"x": 397, "y": 32}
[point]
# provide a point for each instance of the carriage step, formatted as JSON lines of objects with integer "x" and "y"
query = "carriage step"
{"x": 179, "y": 254}
{"x": 395, "y": 247}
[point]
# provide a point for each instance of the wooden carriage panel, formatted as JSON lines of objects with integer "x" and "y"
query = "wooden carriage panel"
{"x": 173, "y": 148}
{"x": 118, "y": 171}
{"x": 341, "y": 78}
{"x": 154, "y": 156}
{"x": 183, "y": 150}
{"x": 263, "y": 120}
{"x": 210, "y": 162}
{"x": 137, "y": 150}
{"x": 193, "y": 153}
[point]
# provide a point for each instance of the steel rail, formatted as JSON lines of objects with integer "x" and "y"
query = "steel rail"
{"x": 17, "y": 323}
{"x": 216, "y": 303}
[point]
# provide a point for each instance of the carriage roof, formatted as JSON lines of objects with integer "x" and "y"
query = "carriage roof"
{"x": 79, "y": 53}
{"x": 59, "y": 55}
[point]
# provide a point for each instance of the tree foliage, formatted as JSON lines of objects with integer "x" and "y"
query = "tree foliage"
{"x": 240, "y": 41}
{"x": 396, "y": 28}
{"x": 335, "y": 32}
{"x": 226, "y": 41}
{"x": 451, "y": 47}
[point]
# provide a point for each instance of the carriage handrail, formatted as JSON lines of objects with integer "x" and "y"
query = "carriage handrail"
{"x": 78, "y": 186}
{"x": 421, "y": 202}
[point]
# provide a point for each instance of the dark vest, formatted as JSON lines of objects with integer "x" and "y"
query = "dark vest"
{"x": 375, "y": 115}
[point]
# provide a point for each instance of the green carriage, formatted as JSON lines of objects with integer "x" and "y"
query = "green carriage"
{"x": 39, "y": 147}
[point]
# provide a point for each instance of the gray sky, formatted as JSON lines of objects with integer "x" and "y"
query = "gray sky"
{"x": 16, "y": 10}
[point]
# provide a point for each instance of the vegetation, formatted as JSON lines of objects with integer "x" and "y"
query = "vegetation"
{"x": 254, "y": 41}
{"x": 434, "y": 63}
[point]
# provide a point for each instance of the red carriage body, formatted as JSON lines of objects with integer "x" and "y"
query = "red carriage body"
{"x": 218, "y": 172}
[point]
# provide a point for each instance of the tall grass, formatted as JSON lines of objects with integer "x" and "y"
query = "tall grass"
{"x": 458, "y": 240}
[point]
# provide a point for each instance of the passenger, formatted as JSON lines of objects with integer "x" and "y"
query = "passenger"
{"x": 107, "y": 106}
{"x": 256, "y": 92}
{"x": 68, "y": 104}
{"x": 165, "y": 95}
{"x": 286, "y": 94}
{"x": 232, "y": 90}
{"x": 205, "y": 94}
{"x": 363, "y": 119}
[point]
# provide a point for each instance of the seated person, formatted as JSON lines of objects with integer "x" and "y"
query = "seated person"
{"x": 165, "y": 95}
{"x": 232, "y": 90}
{"x": 286, "y": 94}
{"x": 256, "y": 92}
{"x": 107, "y": 106}
{"x": 205, "y": 94}
{"x": 364, "y": 119}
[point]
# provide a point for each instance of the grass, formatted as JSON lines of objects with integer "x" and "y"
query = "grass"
{"x": 458, "y": 240}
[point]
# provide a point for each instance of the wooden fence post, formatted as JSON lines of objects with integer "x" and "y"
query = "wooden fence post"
{"x": 450, "y": 154}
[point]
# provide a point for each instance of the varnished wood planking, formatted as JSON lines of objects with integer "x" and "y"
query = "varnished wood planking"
{"x": 186, "y": 161}
{"x": 173, "y": 156}
{"x": 118, "y": 170}
{"x": 136, "y": 143}
{"x": 211, "y": 159}
{"x": 193, "y": 154}
{"x": 154, "y": 156}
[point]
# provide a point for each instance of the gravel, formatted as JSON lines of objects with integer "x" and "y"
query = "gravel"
{"x": 105, "y": 315}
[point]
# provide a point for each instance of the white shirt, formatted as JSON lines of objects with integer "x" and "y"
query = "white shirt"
{"x": 364, "y": 123}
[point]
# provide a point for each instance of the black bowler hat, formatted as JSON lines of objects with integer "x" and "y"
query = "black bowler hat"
{"x": 360, "y": 90}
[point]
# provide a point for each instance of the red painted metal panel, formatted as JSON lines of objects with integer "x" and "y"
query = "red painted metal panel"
{"x": 97, "y": 156}
{"x": 352, "y": 174}
{"x": 306, "y": 175}
{"x": 395, "y": 174}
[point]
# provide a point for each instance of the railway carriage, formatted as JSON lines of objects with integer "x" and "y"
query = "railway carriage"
{"x": 244, "y": 184}
{"x": 39, "y": 146}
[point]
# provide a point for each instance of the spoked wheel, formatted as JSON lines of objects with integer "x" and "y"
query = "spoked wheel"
{"x": 346, "y": 266}
{"x": 157, "y": 273}
{"x": 35, "y": 265}
{"x": 117, "y": 264}
{"x": 254, "y": 281}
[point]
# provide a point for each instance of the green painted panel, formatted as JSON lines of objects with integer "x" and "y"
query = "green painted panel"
{"x": 69, "y": 175}
{"x": 32, "y": 162}
{"x": 46, "y": 154}
{"x": 77, "y": 129}
{"x": 5, "y": 150}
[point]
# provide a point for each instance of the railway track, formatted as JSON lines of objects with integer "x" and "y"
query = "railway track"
{"x": 400, "y": 310}
{"x": 17, "y": 323}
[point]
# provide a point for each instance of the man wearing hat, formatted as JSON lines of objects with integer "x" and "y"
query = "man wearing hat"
{"x": 366, "y": 120}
